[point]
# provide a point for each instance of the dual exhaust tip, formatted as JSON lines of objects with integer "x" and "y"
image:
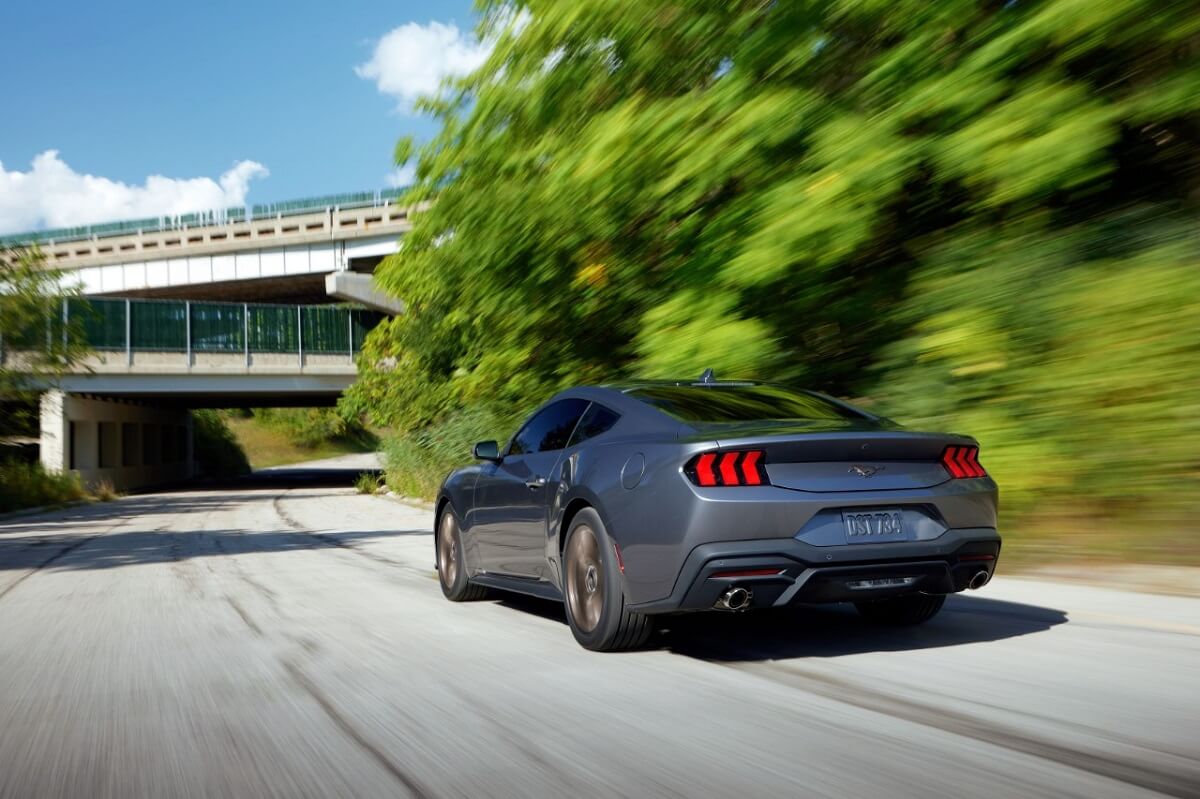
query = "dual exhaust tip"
{"x": 735, "y": 599}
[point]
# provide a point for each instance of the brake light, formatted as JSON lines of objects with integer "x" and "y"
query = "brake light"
{"x": 733, "y": 468}
{"x": 963, "y": 462}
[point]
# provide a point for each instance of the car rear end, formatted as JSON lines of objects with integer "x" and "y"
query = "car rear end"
{"x": 841, "y": 506}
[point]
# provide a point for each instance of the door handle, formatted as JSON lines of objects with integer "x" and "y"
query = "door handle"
{"x": 537, "y": 482}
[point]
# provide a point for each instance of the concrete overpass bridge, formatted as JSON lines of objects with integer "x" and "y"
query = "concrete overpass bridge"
{"x": 303, "y": 251}
{"x": 222, "y": 309}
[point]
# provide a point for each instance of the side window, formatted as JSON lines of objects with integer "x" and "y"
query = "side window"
{"x": 548, "y": 429}
{"x": 595, "y": 421}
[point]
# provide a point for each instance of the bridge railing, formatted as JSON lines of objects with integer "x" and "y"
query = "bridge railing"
{"x": 130, "y": 325}
{"x": 363, "y": 199}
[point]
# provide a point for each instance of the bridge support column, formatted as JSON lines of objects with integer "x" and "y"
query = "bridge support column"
{"x": 128, "y": 444}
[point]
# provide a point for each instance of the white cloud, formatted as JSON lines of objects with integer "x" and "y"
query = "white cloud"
{"x": 402, "y": 176}
{"x": 412, "y": 60}
{"x": 52, "y": 194}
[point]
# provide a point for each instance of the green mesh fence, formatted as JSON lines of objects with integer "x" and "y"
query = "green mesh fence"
{"x": 273, "y": 328}
{"x": 218, "y": 327}
{"x": 158, "y": 326}
{"x": 102, "y": 322}
{"x": 325, "y": 329}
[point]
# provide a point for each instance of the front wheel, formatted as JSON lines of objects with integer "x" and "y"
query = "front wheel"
{"x": 451, "y": 566}
{"x": 902, "y": 611}
{"x": 596, "y": 609}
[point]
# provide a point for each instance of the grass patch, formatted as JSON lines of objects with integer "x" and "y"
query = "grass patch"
{"x": 267, "y": 443}
{"x": 368, "y": 483}
{"x": 417, "y": 462}
{"x": 29, "y": 485}
{"x": 104, "y": 491}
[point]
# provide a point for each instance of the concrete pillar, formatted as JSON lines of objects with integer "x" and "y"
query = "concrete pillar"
{"x": 55, "y": 441}
{"x": 130, "y": 445}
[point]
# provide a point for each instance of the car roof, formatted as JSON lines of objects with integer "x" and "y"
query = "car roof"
{"x": 643, "y": 415}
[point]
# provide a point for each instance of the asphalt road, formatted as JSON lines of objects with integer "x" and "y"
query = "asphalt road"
{"x": 285, "y": 637}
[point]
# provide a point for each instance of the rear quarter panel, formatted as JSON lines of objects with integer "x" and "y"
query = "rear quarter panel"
{"x": 649, "y": 520}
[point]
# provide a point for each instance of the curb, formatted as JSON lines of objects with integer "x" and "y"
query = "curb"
{"x": 412, "y": 502}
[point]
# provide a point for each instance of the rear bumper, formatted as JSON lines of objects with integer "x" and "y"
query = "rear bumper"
{"x": 805, "y": 573}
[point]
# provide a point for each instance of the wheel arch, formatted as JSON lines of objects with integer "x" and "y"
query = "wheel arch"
{"x": 442, "y": 502}
{"x": 569, "y": 513}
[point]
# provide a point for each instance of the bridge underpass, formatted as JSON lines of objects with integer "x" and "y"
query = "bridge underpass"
{"x": 225, "y": 309}
{"x": 123, "y": 414}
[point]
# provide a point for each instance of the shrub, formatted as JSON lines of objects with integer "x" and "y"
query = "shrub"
{"x": 217, "y": 451}
{"x": 417, "y": 462}
{"x": 368, "y": 483}
{"x": 29, "y": 485}
{"x": 104, "y": 491}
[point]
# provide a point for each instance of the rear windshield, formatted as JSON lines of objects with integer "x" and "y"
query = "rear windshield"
{"x": 741, "y": 404}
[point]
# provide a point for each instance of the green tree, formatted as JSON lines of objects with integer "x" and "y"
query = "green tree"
{"x": 981, "y": 215}
{"x": 36, "y": 343}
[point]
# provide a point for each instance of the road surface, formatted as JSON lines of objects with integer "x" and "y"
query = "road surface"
{"x": 286, "y": 637}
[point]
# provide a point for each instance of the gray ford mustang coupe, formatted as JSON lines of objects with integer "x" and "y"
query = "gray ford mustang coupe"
{"x": 665, "y": 497}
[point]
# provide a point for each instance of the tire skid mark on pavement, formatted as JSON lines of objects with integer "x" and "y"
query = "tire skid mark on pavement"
{"x": 334, "y": 541}
{"x": 411, "y": 784}
{"x": 297, "y": 675}
{"x": 241, "y": 611}
{"x": 58, "y": 555}
{"x": 1180, "y": 780}
{"x": 47, "y": 562}
{"x": 570, "y": 784}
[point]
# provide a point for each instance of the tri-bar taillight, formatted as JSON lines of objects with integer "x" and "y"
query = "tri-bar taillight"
{"x": 742, "y": 467}
{"x": 963, "y": 462}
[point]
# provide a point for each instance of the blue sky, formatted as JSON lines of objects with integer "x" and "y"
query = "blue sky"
{"x": 127, "y": 90}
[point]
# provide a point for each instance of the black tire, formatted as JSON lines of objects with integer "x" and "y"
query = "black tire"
{"x": 902, "y": 611}
{"x": 451, "y": 564}
{"x": 603, "y": 623}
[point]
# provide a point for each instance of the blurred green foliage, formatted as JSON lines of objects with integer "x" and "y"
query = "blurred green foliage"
{"x": 418, "y": 460}
{"x": 31, "y": 323}
{"x": 217, "y": 451}
{"x": 982, "y": 216}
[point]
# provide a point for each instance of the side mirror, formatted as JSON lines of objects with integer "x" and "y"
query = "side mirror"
{"x": 487, "y": 451}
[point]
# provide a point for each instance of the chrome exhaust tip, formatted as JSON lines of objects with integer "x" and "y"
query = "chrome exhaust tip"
{"x": 735, "y": 599}
{"x": 979, "y": 580}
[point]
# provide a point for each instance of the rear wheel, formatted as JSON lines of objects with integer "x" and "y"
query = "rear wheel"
{"x": 451, "y": 566}
{"x": 902, "y": 611}
{"x": 596, "y": 609}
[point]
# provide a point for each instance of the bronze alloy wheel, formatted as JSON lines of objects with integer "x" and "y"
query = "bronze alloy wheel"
{"x": 585, "y": 579}
{"x": 448, "y": 550}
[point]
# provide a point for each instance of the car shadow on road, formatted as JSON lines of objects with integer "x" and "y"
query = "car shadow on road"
{"x": 835, "y": 630}
{"x": 820, "y": 631}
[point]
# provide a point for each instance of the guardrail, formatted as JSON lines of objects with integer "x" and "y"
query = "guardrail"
{"x": 362, "y": 199}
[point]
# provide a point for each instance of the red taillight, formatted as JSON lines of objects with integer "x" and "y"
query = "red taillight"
{"x": 735, "y": 468}
{"x": 963, "y": 462}
{"x": 750, "y": 468}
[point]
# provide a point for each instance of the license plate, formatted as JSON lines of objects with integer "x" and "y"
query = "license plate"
{"x": 874, "y": 526}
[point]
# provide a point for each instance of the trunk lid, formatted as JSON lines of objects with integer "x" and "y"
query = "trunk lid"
{"x": 844, "y": 455}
